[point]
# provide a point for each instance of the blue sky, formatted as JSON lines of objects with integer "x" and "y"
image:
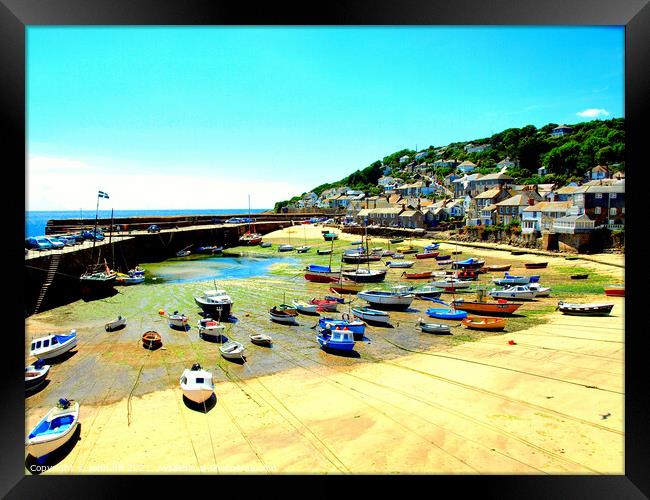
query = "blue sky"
{"x": 200, "y": 117}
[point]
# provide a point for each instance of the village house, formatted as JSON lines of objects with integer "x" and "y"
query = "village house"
{"x": 561, "y": 130}
{"x": 478, "y": 214}
{"x": 599, "y": 172}
{"x": 404, "y": 159}
{"x": 436, "y": 213}
{"x": 411, "y": 218}
{"x": 385, "y": 217}
{"x": 511, "y": 208}
{"x": 421, "y": 154}
{"x": 603, "y": 204}
{"x": 564, "y": 193}
{"x": 491, "y": 181}
{"x": 387, "y": 183}
{"x": 507, "y": 163}
{"x": 472, "y": 148}
{"x": 445, "y": 163}
{"x": 541, "y": 216}
{"x": 573, "y": 224}
{"x": 466, "y": 167}
{"x": 456, "y": 207}
{"x": 466, "y": 185}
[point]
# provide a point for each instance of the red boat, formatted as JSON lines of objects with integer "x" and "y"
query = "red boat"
{"x": 346, "y": 286}
{"x": 478, "y": 323}
{"x": 498, "y": 308}
{"x": 322, "y": 277}
{"x": 493, "y": 268}
{"x": 325, "y": 304}
{"x": 535, "y": 265}
{"x": 426, "y": 255}
{"x": 418, "y": 276}
{"x": 615, "y": 290}
{"x": 467, "y": 274}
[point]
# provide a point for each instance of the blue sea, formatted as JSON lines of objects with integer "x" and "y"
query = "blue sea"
{"x": 35, "y": 221}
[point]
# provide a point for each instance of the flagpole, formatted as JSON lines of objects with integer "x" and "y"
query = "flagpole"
{"x": 92, "y": 253}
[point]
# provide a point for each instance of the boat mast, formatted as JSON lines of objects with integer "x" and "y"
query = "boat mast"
{"x": 110, "y": 241}
{"x": 92, "y": 252}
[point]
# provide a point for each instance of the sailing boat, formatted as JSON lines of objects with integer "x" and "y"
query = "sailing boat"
{"x": 250, "y": 237}
{"x": 322, "y": 274}
{"x": 365, "y": 275}
{"x": 305, "y": 248}
{"x": 98, "y": 280}
{"x": 287, "y": 247}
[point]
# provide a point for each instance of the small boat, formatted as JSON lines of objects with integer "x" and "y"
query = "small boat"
{"x": 426, "y": 255}
{"x": 579, "y": 276}
{"x": 304, "y": 307}
{"x": 53, "y": 345}
{"x": 321, "y": 274}
{"x": 542, "y": 291}
{"x": 451, "y": 282}
{"x": 510, "y": 279}
{"x": 571, "y": 257}
{"x": 433, "y": 246}
{"x": 398, "y": 298}
{"x": 498, "y": 308}
{"x": 365, "y": 275}
{"x": 35, "y": 375}
{"x": 285, "y": 248}
{"x": 303, "y": 249}
{"x": 479, "y": 323}
{"x": 215, "y": 303}
{"x": 445, "y": 263}
{"x": 233, "y": 350}
{"x": 518, "y": 252}
{"x": 402, "y": 264}
{"x": 330, "y": 236}
{"x": 445, "y": 312}
{"x": 535, "y": 265}
{"x": 125, "y": 279}
{"x": 615, "y": 290}
{"x": 495, "y": 268}
{"x": 261, "y": 339}
{"x": 210, "y": 328}
{"x": 358, "y": 242}
{"x": 396, "y": 240}
{"x": 54, "y": 430}
{"x": 407, "y": 249}
{"x": 346, "y": 286}
{"x": 177, "y": 320}
{"x": 136, "y": 271}
{"x": 287, "y": 316}
{"x": 324, "y": 304}
{"x": 456, "y": 252}
{"x": 418, "y": 276}
{"x": 357, "y": 327}
{"x": 443, "y": 257}
{"x": 250, "y": 238}
{"x": 584, "y": 309}
{"x": 359, "y": 258}
{"x": 396, "y": 255}
{"x": 118, "y": 324}
{"x": 337, "y": 339}
{"x": 266, "y": 244}
{"x": 433, "y": 327}
{"x": 183, "y": 253}
{"x": 519, "y": 292}
{"x": 323, "y": 252}
{"x": 151, "y": 340}
{"x": 196, "y": 384}
{"x": 466, "y": 274}
{"x": 470, "y": 263}
{"x": 371, "y": 315}
{"x": 427, "y": 292}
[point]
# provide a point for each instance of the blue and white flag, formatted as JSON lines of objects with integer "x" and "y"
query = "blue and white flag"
{"x": 102, "y": 194}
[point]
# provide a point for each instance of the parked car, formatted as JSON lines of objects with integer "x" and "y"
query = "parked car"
{"x": 76, "y": 237}
{"x": 90, "y": 235}
{"x": 38, "y": 243}
{"x": 153, "y": 228}
{"x": 67, "y": 241}
{"x": 56, "y": 243}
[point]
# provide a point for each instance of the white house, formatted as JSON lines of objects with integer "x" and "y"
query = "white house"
{"x": 543, "y": 215}
{"x": 466, "y": 167}
{"x": 421, "y": 154}
{"x": 404, "y": 159}
{"x": 561, "y": 130}
{"x": 476, "y": 148}
{"x": 573, "y": 224}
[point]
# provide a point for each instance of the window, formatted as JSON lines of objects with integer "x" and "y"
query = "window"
{"x": 46, "y": 343}
{"x": 599, "y": 196}
{"x": 54, "y": 341}
{"x": 612, "y": 196}
{"x": 597, "y": 210}
{"x": 612, "y": 211}
{"x": 200, "y": 380}
{"x": 33, "y": 346}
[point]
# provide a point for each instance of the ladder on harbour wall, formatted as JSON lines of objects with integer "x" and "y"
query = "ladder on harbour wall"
{"x": 51, "y": 272}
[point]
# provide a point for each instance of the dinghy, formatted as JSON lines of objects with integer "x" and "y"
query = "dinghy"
{"x": 510, "y": 279}
{"x": 53, "y": 345}
{"x": 283, "y": 316}
{"x": 495, "y": 268}
{"x": 54, "y": 430}
{"x": 404, "y": 264}
{"x": 427, "y": 292}
{"x": 321, "y": 274}
{"x": 397, "y": 255}
{"x": 433, "y": 327}
{"x": 266, "y": 244}
{"x": 427, "y": 255}
{"x": 498, "y": 308}
{"x": 396, "y": 240}
{"x": 35, "y": 375}
{"x": 478, "y": 323}
{"x": 233, "y": 350}
{"x": 584, "y": 309}
{"x": 337, "y": 340}
{"x": 615, "y": 290}
{"x": 303, "y": 249}
{"x": 519, "y": 292}
{"x": 125, "y": 279}
{"x": 446, "y": 312}
{"x": 398, "y": 297}
{"x": 136, "y": 271}
{"x": 151, "y": 340}
{"x": 324, "y": 304}
{"x": 210, "y": 328}
{"x": 304, "y": 307}
{"x": 535, "y": 265}
{"x": 285, "y": 248}
{"x": 407, "y": 249}
{"x": 177, "y": 320}
{"x": 346, "y": 286}
{"x": 323, "y": 252}
{"x": 371, "y": 315}
{"x": 357, "y": 327}
{"x": 196, "y": 384}
{"x": 118, "y": 324}
{"x": 330, "y": 236}
{"x": 261, "y": 339}
{"x": 451, "y": 283}
{"x": 470, "y": 263}
{"x": 418, "y": 276}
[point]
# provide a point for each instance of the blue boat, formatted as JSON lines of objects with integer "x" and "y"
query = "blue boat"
{"x": 358, "y": 328}
{"x": 54, "y": 430}
{"x": 511, "y": 279}
{"x": 433, "y": 246}
{"x": 338, "y": 340}
{"x": 470, "y": 263}
{"x": 318, "y": 269}
{"x": 445, "y": 312}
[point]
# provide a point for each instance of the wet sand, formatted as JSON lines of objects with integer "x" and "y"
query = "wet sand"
{"x": 410, "y": 402}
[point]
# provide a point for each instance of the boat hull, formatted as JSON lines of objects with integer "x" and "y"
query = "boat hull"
{"x": 198, "y": 396}
{"x": 536, "y": 265}
{"x": 487, "y": 324}
{"x": 61, "y": 349}
{"x": 322, "y": 277}
{"x": 495, "y": 309}
{"x": 387, "y": 302}
{"x": 615, "y": 292}
{"x": 41, "y": 445}
{"x": 586, "y": 310}
{"x": 216, "y": 311}
{"x": 325, "y": 343}
{"x": 371, "y": 318}
{"x": 428, "y": 255}
{"x": 365, "y": 278}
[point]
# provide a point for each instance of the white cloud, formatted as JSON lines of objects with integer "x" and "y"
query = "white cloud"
{"x": 593, "y": 113}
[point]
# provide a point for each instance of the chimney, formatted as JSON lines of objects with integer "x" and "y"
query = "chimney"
{"x": 531, "y": 201}
{"x": 403, "y": 206}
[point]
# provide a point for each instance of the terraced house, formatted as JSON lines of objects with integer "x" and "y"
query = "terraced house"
{"x": 603, "y": 204}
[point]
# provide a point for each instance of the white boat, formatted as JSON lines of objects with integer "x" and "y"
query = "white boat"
{"x": 433, "y": 327}
{"x": 233, "y": 350}
{"x": 372, "y": 315}
{"x": 54, "y": 430}
{"x": 520, "y": 292}
{"x": 303, "y": 249}
{"x": 35, "y": 375}
{"x": 405, "y": 264}
{"x": 177, "y": 320}
{"x": 451, "y": 282}
{"x": 261, "y": 339}
{"x": 584, "y": 309}
{"x": 53, "y": 345}
{"x": 398, "y": 297}
{"x": 542, "y": 291}
{"x": 215, "y": 303}
{"x": 196, "y": 384}
{"x": 285, "y": 248}
{"x": 183, "y": 253}
{"x": 119, "y": 323}
{"x": 210, "y": 328}
{"x": 397, "y": 255}
{"x": 266, "y": 244}
{"x": 305, "y": 307}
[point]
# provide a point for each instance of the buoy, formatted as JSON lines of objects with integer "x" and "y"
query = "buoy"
{"x": 161, "y": 312}
{"x": 512, "y": 342}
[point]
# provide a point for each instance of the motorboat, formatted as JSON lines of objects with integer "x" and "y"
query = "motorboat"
{"x": 542, "y": 291}
{"x": 305, "y": 307}
{"x": 337, "y": 339}
{"x": 54, "y": 430}
{"x": 177, "y": 320}
{"x": 287, "y": 316}
{"x": 215, "y": 303}
{"x": 357, "y": 327}
{"x": 35, "y": 375}
{"x": 510, "y": 279}
{"x": 426, "y": 292}
{"x": 519, "y": 292}
{"x": 53, "y": 345}
{"x": 196, "y": 384}
{"x": 261, "y": 339}
{"x": 210, "y": 328}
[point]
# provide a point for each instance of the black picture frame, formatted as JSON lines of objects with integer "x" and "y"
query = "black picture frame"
{"x": 15, "y": 15}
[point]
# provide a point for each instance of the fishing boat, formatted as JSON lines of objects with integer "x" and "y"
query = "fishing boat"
{"x": 357, "y": 327}
{"x": 478, "y": 323}
{"x": 433, "y": 327}
{"x": 447, "y": 312}
{"x": 53, "y": 345}
{"x": 498, "y": 308}
{"x": 125, "y": 279}
{"x": 495, "y": 268}
{"x": 303, "y": 249}
{"x": 196, "y": 384}
{"x": 324, "y": 304}
{"x": 418, "y": 276}
{"x": 396, "y": 240}
{"x": 371, "y": 315}
{"x": 579, "y": 276}
{"x": 541, "y": 291}
{"x": 118, "y": 324}
{"x": 323, "y": 252}
{"x": 615, "y": 290}
{"x": 233, "y": 350}
{"x": 401, "y": 264}
{"x": 97, "y": 281}
{"x": 346, "y": 286}
{"x": 35, "y": 375}
{"x": 584, "y": 309}
{"x": 365, "y": 275}
{"x": 54, "y": 430}
{"x": 210, "y": 328}
{"x": 535, "y": 265}
{"x": 215, "y": 303}
{"x": 427, "y": 292}
{"x": 337, "y": 339}
{"x": 329, "y": 236}
{"x": 427, "y": 255}
{"x": 470, "y": 263}
{"x": 287, "y": 316}
{"x": 285, "y": 248}
{"x": 151, "y": 340}
{"x": 177, "y": 320}
{"x": 261, "y": 339}
{"x": 266, "y": 244}
{"x": 519, "y": 292}
{"x": 509, "y": 280}
{"x": 304, "y": 307}
{"x": 399, "y": 297}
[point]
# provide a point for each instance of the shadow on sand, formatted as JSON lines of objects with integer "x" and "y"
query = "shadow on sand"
{"x": 31, "y": 391}
{"x": 62, "y": 357}
{"x": 342, "y": 354}
{"x": 36, "y": 466}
